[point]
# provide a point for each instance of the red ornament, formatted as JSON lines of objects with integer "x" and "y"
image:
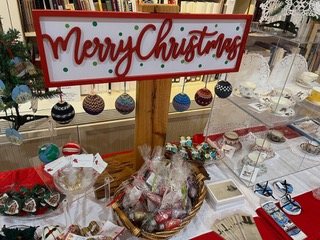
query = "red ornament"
{"x": 71, "y": 148}
{"x": 203, "y": 97}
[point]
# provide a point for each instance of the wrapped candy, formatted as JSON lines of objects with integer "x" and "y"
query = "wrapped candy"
{"x": 179, "y": 213}
{"x": 133, "y": 193}
{"x": 149, "y": 225}
{"x": 172, "y": 223}
{"x": 162, "y": 216}
{"x": 165, "y": 192}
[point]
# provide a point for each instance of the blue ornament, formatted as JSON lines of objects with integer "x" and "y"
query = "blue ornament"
{"x": 48, "y": 152}
{"x": 62, "y": 112}
{"x": 2, "y": 88}
{"x": 21, "y": 94}
{"x": 93, "y": 104}
{"x": 181, "y": 102}
{"x": 125, "y": 104}
{"x": 14, "y": 136}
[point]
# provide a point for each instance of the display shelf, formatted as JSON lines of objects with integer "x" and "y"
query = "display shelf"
{"x": 266, "y": 117}
{"x": 288, "y": 160}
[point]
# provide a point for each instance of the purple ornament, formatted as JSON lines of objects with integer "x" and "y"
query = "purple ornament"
{"x": 124, "y": 104}
{"x": 223, "y": 89}
{"x": 181, "y": 102}
{"x": 203, "y": 97}
{"x": 93, "y": 104}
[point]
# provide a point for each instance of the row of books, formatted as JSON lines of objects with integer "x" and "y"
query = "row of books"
{"x": 26, "y": 7}
{"x": 201, "y": 6}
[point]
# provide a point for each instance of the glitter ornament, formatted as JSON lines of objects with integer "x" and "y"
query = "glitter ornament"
{"x": 181, "y": 102}
{"x": 62, "y": 112}
{"x": 71, "y": 148}
{"x": 21, "y": 94}
{"x": 48, "y": 152}
{"x": 203, "y": 97}
{"x": 125, "y": 104}
{"x": 223, "y": 89}
{"x": 93, "y": 104}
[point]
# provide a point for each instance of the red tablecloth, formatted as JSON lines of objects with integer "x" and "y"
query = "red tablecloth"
{"x": 308, "y": 221}
{"x": 24, "y": 177}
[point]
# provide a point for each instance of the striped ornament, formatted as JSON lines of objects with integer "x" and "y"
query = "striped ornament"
{"x": 71, "y": 148}
{"x": 62, "y": 112}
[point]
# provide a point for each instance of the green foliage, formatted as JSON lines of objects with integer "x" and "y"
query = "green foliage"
{"x": 11, "y": 47}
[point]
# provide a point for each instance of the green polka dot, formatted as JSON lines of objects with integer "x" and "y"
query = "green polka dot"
{"x": 136, "y": 27}
{"x": 216, "y": 25}
{"x": 94, "y": 23}
{"x": 67, "y": 25}
{"x": 94, "y": 63}
{"x": 182, "y": 61}
{"x": 213, "y": 55}
{"x": 226, "y": 62}
{"x": 237, "y": 28}
{"x": 141, "y": 64}
{"x": 162, "y": 65}
{"x": 200, "y": 65}
{"x": 110, "y": 71}
{"x": 182, "y": 29}
{"x": 120, "y": 34}
{"x": 65, "y": 69}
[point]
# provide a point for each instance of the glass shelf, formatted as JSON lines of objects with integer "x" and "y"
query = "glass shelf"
{"x": 266, "y": 117}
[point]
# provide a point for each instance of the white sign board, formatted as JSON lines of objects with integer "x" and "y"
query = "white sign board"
{"x": 82, "y": 47}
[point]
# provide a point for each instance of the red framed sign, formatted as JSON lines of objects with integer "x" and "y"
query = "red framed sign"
{"x": 82, "y": 47}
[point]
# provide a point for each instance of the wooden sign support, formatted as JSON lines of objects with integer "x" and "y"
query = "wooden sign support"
{"x": 151, "y": 120}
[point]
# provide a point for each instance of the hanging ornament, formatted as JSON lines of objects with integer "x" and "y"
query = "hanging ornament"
{"x": 223, "y": 89}
{"x": 14, "y": 136}
{"x": 203, "y": 96}
{"x": 62, "y": 112}
{"x": 21, "y": 94}
{"x": 20, "y": 66}
{"x": 93, "y": 104}
{"x": 2, "y": 88}
{"x": 181, "y": 102}
{"x": 125, "y": 104}
{"x": 34, "y": 104}
{"x": 48, "y": 152}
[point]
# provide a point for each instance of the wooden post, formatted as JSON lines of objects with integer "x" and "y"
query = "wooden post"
{"x": 153, "y": 99}
{"x": 151, "y": 120}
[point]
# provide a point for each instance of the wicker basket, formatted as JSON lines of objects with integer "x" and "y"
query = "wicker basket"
{"x": 199, "y": 178}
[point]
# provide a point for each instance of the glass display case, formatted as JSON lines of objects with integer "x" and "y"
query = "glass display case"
{"x": 270, "y": 123}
